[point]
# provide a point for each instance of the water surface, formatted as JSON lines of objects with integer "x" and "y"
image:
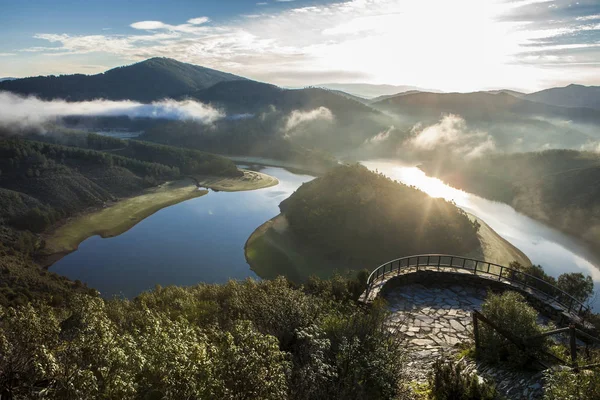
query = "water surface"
{"x": 199, "y": 240}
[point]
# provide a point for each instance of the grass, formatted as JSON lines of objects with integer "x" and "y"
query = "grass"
{"x": 494, "y": 248}
{"x": 119, "y": 217}
{"x": 272, "y": 251}
{"x": 251, "y": 180}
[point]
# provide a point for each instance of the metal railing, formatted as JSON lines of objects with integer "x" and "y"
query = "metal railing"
{"x": 449, "y": 263}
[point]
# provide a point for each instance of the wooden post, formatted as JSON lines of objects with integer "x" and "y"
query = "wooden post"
{"x": 573, "y": 346}
{"x": 476, "y": 331}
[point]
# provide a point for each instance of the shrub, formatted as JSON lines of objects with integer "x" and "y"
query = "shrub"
{"x": 565, "y": 384}
{"x": 510, "y": 312}
{"x": 449, "y": 381}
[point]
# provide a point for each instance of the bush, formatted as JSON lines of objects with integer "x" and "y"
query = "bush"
{"x": 510, "y": 312}
{"x": 448, "y": 381}
{"x": 565, "y": 384}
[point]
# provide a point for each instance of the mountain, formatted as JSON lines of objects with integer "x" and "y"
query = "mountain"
{"x": 7, "y": 79}
{"x": 507, "y": 91}
{"x": 389, "y": 96}
{"x": 145, "y": 81}
{"x": 311, "y": 118}
{"x": 515, "y": 124}
{"x": 482, "y": 105}
{"x": 370, "y": 91}
{"x": 569, "y": 96}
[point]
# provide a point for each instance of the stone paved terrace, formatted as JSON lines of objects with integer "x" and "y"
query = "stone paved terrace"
{"x": 434, "y": 319}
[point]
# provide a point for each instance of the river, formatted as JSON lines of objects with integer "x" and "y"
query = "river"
{"x": 199, "y": 240}
{"x": 202, "y": 240}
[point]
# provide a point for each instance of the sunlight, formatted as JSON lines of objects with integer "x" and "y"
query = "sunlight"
{"x": 434, "y": 187}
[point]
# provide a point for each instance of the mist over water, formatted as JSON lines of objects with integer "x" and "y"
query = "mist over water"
{"x": 555, "y": 251}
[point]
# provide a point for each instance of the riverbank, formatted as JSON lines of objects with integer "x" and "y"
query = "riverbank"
{"x": 271, "y": 162}
{"x": 494, "y": 248}
{"x": 272, "y": 250}
{"x": 118, "y": 217}
{"x": 251, "y": 180}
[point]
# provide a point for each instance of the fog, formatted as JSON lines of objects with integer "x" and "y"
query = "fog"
{"x": 20, "y": 113}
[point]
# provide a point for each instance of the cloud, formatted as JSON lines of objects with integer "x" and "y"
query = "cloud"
{"x": 381, "y": 136}
{"x": 452, "y": 134}
{"x": 17, "y": 112}
{"x": 148, "y": 25}
{"x": 7, "y": 54}
{"x": 198, "y": 21}
{"x": 298, "y": 117}
{"x": 591, "y": 146}
{"x": 483, "y": 43}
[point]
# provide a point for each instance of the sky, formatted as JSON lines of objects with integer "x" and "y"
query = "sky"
{"x": 458, "y": 45}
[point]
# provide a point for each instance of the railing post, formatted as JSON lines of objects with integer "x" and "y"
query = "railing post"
{"x": 476, "y": 264}
{"x": 476, "y": 331}
{"x": 573, "y": 342}
{"x": 451, "y": 262}
{"x": 439, "y": 262}
{"x": 428, "y": 261}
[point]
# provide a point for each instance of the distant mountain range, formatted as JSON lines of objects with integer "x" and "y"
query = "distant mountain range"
{"x": 369, "y": 91}
{"x": 569, "y": 96}
{"x": 7, "y": 79}
{"x": 336, "y": 116}
{"x": 146, "y": 81}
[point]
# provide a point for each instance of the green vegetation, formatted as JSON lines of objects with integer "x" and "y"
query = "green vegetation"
{"x": 580, "y": 286}
{"x": 511, "y": 313}
{"x": 449, "y": 381}
{"x": 259, "y": 340}
{"x": 558, "y": 187}
{"x": 360, "y": 218}
{"x": 566, "y": 384}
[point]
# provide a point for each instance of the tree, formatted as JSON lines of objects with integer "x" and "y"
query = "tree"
{"x": 577, "y": 285}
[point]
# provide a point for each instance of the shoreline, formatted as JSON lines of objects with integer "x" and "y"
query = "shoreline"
{"x": 123, "y": 214}
{"x": 271, "y": 162}
{"x": 270, "y": 241}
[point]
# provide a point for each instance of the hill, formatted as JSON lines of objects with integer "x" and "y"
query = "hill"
{"x": 558, "y": 187}
{"x": 569, "y": 96}
{"x": 352, "y": 218}
{"x": 7, "y": 79}
{"x": 146, "y": 81}
{"x": 370, "y": 91}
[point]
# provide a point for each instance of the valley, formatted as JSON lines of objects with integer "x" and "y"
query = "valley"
{"x": 177, "y": 231}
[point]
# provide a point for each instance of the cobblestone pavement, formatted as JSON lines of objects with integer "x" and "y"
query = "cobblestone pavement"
{"x": 434, "y": 320}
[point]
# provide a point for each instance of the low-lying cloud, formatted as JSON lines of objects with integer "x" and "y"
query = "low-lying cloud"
{"x": 18, "y": 112}
{"x": 298, "y": 117}
{"x": 452, "y": 134}
{"x": 380, "y": 137}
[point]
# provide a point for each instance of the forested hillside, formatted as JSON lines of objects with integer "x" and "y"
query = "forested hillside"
{"x": 559, "y": 187}
{"x": 150, "y": 80}
{"x": 363, "y": 218}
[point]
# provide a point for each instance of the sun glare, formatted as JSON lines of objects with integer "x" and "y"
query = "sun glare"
{"x": 432, "y": 186}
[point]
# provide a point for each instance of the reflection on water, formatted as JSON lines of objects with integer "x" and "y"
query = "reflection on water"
{"x": 556, "y": 252}
{"x": 199, "y": 240}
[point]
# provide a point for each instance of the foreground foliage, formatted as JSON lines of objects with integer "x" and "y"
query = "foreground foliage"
{"x": 511, "y": 313}
{"x": 566, "y": 384}
{"x": 251, "y": 340}
{"x": 449, "y": 381}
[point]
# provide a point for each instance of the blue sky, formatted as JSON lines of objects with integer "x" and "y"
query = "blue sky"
{"x": 457, "y": 45}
